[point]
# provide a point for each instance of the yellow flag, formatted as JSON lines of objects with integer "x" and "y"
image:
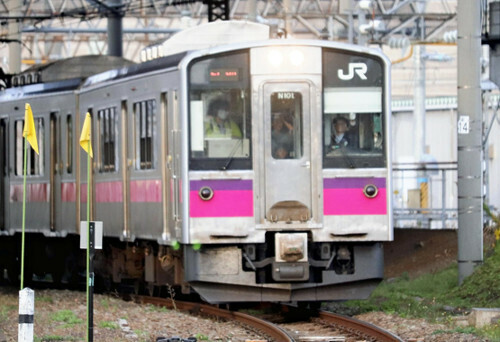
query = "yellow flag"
{"x": 29, "y": 128}
{"x": 85, "y": 137}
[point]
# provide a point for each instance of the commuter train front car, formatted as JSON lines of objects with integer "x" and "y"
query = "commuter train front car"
{"x": 304, "y": 226}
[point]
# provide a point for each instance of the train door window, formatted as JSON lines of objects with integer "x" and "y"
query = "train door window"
{"x": 219, "y": 112}
{"x": 69, "y": 144}
{"x": 107, "y": 139}
{"x": 144, "y": 123}
{"x": 286, "y": 125}
{"x": 353, "y": 110}
{"x": 34, "y": 162}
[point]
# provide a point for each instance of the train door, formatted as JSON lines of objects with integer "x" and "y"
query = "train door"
{"x": 287, "y": 141}
{"x": 143, "y": 198}
{"x": 4, "y": 173}
{"x": 55, "y": 170}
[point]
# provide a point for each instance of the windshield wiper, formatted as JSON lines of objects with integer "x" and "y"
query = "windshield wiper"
{"x": 231, "y": 155}
{"x": 347, "y": 158}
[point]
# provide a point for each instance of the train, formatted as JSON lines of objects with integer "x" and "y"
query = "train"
{"x": 219, "y": 171}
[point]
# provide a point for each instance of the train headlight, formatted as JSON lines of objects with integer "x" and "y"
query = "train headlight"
{"x": 275, "y": 58}
{"x": 296, "y": 57}
{"x": 370, "y": 191}
{"x": 206, "y": 193}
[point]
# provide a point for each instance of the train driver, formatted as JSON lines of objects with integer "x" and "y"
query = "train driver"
{"x": 339, "y": 128}
{"x": 219, "y": 124}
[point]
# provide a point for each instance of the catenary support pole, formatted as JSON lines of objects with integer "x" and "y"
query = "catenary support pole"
{"x": 470, "y": 154}
{"x": 115, "y": 29}
{"x": 14, "y": 34}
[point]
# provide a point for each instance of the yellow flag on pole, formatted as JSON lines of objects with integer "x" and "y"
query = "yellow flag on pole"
{"x": 29, "y": 128}
{"x": 85, "y": 142}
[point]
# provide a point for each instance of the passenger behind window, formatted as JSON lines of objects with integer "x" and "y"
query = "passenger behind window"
{"x": 219, "y": 124}
{"x": 281, "y": 137}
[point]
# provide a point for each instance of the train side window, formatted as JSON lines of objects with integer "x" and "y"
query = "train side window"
{"x": 144, "y": 123}
{"x": 69, "y": 143}
{"x": 106, "y": 130}
{"x": 34, "y": 162}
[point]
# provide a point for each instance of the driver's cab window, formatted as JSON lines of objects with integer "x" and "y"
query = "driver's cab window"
{"x": 219, "y": 113}
{"x": 353, "y": 132}
{"x": 219, "y": 126}
{"x": 353, "y": 112}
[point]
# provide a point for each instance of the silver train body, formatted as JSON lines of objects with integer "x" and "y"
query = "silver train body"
{"x": 187, "y": 178}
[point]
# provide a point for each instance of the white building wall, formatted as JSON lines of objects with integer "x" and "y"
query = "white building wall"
{"x": 441, "y": 146}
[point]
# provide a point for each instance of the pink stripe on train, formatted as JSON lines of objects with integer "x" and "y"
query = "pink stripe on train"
{"x": 145, "y": 191}
{"x": 141, "y": 191}
{"x": 35, "y": 192}
{"x": 232, "y": 198}
{"x": 68, "y": 192}
{"x": 234, "y": 203}
{"x": 354, "y": 202}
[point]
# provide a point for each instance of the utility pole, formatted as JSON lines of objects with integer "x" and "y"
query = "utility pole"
{"x": 14, "y": 31}
{"x": 470, "y": 153}
{"x": 419, "y": 90}
{"x": 115, "y": 29}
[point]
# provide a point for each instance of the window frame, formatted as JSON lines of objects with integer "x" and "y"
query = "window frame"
{"x": 107, "y": 132}
{"x": 35, "y": 162}
{"x": 375, "y": 78}
{"x": 242, "y": 63}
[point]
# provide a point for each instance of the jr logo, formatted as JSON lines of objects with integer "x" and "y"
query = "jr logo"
{"x": 358, "y": 68}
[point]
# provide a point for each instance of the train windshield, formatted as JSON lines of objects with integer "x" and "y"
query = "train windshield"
{"x": 219, "y": 107}
{"x": 353, "y": 120}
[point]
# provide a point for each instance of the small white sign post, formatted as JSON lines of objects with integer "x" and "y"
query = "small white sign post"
{"x": 26, "y": 315}
{"x": 91, "y": 239}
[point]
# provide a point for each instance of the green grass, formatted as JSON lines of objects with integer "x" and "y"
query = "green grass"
{"x": 66, "y": 316}
{"x": 54, "y": 338}
{"x": 482, "y": 289}
{"x": 437, "y": 297}
{"x": 109, "y": 325}
{"x": 155, "y": 308}
{"x": 421, "y": 297}
{"x": 105, "y": 303}
{"x": 44, "y": 299}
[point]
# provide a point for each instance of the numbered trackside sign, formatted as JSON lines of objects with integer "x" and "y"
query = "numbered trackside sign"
{"x": 463, "y": 124}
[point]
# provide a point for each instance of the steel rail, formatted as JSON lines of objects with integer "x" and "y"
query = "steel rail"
{"x": 267, "y": 328}
{"x": 365, "y": 328}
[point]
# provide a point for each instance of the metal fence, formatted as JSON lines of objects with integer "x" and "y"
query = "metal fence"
{"x": 425, "y": 195}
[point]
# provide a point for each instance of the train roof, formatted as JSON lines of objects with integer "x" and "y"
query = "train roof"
{"x": 136, "y": 69}
{"x": 62, "y": 75}
{"x": 207, "y": 35}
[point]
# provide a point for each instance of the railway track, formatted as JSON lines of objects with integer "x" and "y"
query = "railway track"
{"x": 313, "y": 326}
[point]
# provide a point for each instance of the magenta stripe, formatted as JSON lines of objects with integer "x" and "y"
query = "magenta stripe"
{"x": 108, "y": 192}
{"x": 36, "y": 192}
{"x": 348, "y": 182}
{"x": 68, "y": 192}
{"x": 238, "y": 203}
{"x": 145, "y": 191}
{"x": 353, "y": 202}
